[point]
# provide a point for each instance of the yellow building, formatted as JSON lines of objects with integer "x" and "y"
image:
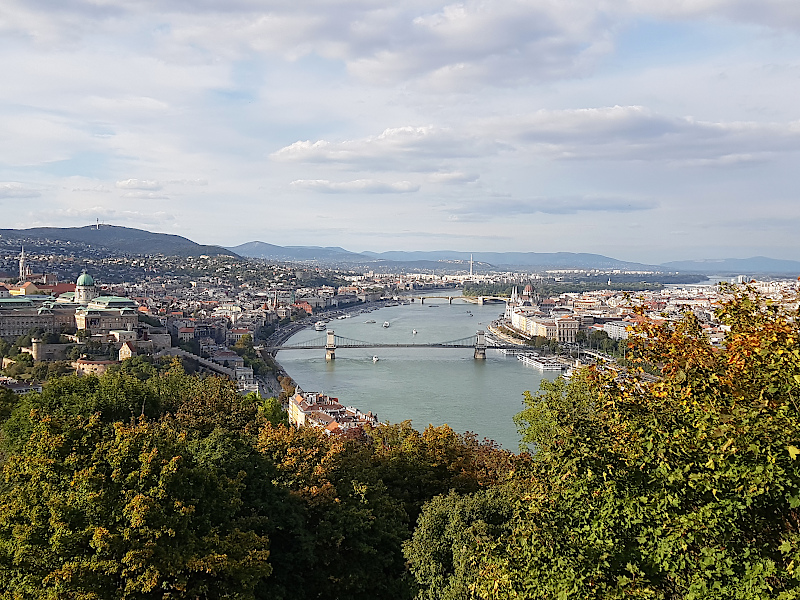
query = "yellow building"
{"x": 25, "y": 289}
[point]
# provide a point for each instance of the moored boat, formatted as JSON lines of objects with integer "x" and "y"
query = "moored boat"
{"x": 544, "y": 364}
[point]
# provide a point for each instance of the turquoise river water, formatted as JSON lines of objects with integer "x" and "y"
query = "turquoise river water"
{"x": 425, "y": 385}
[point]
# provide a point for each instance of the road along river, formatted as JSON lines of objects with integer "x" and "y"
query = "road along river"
{"x": 425, "y": 385}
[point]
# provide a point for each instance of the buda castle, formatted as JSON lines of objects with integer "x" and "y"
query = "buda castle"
{"x": 24, "y": 308}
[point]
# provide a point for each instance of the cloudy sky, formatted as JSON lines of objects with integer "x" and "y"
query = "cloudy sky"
{"x": 647, "y": 130}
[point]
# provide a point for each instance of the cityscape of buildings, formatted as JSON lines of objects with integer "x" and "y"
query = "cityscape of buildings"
{"x": 204, "y": 309}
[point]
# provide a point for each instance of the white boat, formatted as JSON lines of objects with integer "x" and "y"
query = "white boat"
{"x": 414, "y": 332}
{"x": 541, "y": 363}
{"x": 512, "y": 351}
{"x": 370, "y": 321}
{"x": 386, "y": 323}
{"x": 319, "y": 325}
{"x": 374, "y": 359}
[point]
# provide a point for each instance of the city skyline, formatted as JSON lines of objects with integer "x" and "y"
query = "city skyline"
{"x": 648, "y": 132}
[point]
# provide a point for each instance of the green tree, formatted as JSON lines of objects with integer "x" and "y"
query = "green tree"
{"x": 245, "y": 343}
{"x": 272, "y": 410}
{"x": 449, "y": 534}
{"x": 127, "y": 512}
{"x": 686, "y": 487}
{"x": 350, "y": 546}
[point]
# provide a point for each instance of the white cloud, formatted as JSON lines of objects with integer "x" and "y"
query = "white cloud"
{"x": 146, "y": 195}
{"x": 139, "y": 184}
{"x": 618, "y": 133}
{"x": 636, "y": 133}
{"x": 358, "y": 186}
{"x": 510, "y": 208}
{"x": 12, "y": 189}
{"x": 108, "y": 215}
{"x": 411, "y": 148}
{"x": 453, "y": 177}
{"x": 779, "y": 14}
{"x": 469, "y": 42}
{"x": 97, "y": 189}
{"x": 200, "y": 182}
{"x": 445, "y": 44}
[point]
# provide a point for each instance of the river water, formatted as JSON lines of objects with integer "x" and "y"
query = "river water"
{"x": 425, "y": 385}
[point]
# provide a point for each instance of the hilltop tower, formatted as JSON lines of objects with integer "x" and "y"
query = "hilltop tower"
{"x": 23, "y": 269}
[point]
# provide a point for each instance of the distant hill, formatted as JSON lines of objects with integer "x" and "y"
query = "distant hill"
{"x": 737, "y": 266}
{"x": 434, "y": 259}
{"x": 555, "y": 260}
{"x": 301, "y": 253}
{"x": 115, "y": 239}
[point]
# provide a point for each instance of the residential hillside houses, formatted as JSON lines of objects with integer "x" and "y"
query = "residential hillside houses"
{"x": 318, "y": 410}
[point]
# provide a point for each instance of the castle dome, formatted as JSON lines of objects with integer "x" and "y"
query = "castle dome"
{"x": 85, "y": 280}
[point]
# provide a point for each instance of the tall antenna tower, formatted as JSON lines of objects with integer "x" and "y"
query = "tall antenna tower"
{"x": 470, "y": 266}
{"x": 22, "y": 268}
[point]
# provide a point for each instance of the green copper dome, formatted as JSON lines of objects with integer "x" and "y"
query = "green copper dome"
{"x": 85, "y": 280}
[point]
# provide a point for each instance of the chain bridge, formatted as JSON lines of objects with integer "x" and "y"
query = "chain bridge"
{"x": 330, "y": 342}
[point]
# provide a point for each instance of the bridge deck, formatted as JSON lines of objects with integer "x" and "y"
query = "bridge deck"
{"x": 345, "y": 346}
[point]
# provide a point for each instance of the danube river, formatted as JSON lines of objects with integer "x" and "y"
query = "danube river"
{"x": 425, "y": 385}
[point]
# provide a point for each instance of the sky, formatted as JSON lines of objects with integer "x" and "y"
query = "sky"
{"x": 645, "y": 130}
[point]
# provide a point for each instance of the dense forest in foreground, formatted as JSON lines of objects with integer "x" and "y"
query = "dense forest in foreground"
{"x": 147, "y": 484}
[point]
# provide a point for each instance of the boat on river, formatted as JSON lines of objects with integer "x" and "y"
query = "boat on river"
{"x": 375, "y": 359}
{"x": 320, "y": 325}
{"x": 386, "y": 323}
{"x": 541, "y": 363}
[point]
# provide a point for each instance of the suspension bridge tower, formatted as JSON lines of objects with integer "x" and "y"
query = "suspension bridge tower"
{"x": 480, "y": 345}
{"x": 330, "y": 346}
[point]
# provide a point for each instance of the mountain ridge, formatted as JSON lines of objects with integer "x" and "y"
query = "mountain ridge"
{"x": 116, "y": 238}
{"x": 129, "y": 240}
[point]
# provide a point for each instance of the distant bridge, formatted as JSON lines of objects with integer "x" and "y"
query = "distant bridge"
{"x": 480, "y": 300}
{"x": 330, "y": 342}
